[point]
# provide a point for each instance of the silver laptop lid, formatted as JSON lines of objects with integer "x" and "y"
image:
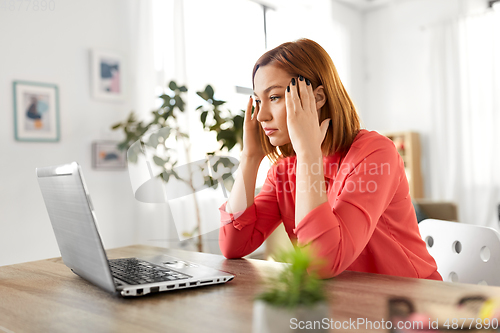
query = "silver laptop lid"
{"x": 74, "y": 223}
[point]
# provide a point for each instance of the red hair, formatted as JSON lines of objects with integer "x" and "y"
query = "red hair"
{"x": 307, "y": 58}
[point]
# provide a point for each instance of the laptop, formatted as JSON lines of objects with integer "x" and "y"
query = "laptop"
{"x": 75, "y": 226}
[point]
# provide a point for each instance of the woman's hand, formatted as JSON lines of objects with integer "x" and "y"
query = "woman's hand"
{"x": 302, "y": 119}
{"x": 252, "y": 145}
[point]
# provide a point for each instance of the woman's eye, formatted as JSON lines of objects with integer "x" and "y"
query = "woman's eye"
{"x": 274, "y": 98}
{"x": 257, "y": 101}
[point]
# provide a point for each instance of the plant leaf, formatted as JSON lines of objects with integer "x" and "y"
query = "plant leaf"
{"x": 172, "y": 85}
{"x": 159, "y": 161}
{"x": 295, "y": 286}
{"x": 209, "y": 91}
{"x": 224, "y": 134}
{"x": 166, "y": 176}
{"x": 123, "y": 145}
{"x": 179, "y": 102}
{"x": 165, "y": 97}
{"x": 131, "y": 117}
{"x": 218, "y": 103}
{"x": 203, "y": 117}
{"x": 153, "y": 140}
{"x": 164, "y": 132}
{"x": 203, "y": 95}
{"x": 238, "y": 121}
{"x": 132, "y": 157}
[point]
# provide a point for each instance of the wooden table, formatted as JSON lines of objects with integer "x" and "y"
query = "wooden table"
{"x": 45, "y": 296}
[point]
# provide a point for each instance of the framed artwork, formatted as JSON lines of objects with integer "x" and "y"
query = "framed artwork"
{"x": 36, "y": 111}
{"x": 107, "y": 156}
{"x": 107, "y": 83}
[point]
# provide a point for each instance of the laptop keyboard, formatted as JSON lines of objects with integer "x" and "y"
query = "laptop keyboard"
{"x": 135, "y": 271}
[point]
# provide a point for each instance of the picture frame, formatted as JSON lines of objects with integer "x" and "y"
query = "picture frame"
{"x": 107, "y": 156}
{"x": 106, "y": 75}
{"x": 36, "y": 111}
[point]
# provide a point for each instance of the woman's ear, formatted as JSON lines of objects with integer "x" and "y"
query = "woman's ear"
{"x": 319, "y": 95}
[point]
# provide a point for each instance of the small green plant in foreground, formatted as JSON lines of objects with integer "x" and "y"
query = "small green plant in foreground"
{"x": 294, "y": 286}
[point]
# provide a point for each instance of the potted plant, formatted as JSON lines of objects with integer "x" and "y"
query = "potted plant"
{"x": 164, "y": 127}
{"x": 295, "y": 299}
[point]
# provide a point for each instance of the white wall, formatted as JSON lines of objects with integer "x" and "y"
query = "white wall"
{"x": 53, "y": 47}
{"x": 353, "y": 22}
{"x": 397, "y": 96}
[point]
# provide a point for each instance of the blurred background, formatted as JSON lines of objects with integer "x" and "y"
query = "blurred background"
{"x": 426, "y": 73}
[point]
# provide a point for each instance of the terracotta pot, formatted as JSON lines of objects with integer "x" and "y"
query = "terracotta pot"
{"x": 271, "y": 319}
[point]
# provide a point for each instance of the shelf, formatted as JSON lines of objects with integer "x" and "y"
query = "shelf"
{"x": 408, "y": 146}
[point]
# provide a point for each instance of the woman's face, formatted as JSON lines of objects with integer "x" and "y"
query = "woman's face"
{"x": 270, "y": 84}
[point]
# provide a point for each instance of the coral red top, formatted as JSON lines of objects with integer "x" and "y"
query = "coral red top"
{"x": 367, "y": 225}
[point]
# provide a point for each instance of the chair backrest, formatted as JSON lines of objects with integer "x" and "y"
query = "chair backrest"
{"x": 464, "y": 253}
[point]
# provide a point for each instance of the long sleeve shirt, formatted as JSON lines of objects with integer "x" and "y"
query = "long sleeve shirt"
{"x": 368, "y": 223}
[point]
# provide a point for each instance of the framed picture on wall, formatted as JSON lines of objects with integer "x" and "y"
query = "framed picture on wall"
{"x": 107, "y": 156}
{"x": 107, "y": 82}
{"x": 36, "y": 111}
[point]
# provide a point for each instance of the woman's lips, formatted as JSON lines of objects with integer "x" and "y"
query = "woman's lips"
{"x": 269, "y": 131}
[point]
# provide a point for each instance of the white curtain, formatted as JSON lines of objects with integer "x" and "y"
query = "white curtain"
{"x": 465, "y": 138}
{"x": 142, "y": 56}
{"x": 152, "y": 219}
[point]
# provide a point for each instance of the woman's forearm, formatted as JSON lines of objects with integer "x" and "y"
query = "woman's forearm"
{"x": 310, "y": 184}
{"x": 243, "y": 191}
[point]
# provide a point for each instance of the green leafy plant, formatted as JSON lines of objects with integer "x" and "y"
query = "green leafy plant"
{"x": 215, "y": 117}
{"x": 165, "y": 127}
{"x": 295, "y": 286}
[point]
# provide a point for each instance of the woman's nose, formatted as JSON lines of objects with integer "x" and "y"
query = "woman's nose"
{"x": 264, "y": 113}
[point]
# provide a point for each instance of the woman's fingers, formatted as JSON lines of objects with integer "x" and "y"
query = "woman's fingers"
{"x": 290, "y": 108}
{"x": 301, "y": 95}
{"x": 304, "y": 94}
{"x": 248, "y": 113}
{"x": 312, "y": 98}
{"x": 256, "y": 111}
{"x": 295, "y": 98}
{"x": 307, "y": 95}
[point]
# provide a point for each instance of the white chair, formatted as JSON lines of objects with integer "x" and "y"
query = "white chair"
{"x": 464, "y": 253}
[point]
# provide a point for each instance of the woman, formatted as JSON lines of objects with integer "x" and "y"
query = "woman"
{"x": 340, "y": 189}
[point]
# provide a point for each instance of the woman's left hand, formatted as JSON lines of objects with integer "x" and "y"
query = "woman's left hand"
{"x": 302, "y": 119}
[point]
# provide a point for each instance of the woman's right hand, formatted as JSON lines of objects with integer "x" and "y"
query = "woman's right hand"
{"x": 252, "y": 145}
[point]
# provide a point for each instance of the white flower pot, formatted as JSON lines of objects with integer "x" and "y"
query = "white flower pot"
{"x": 272, "y": 319}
